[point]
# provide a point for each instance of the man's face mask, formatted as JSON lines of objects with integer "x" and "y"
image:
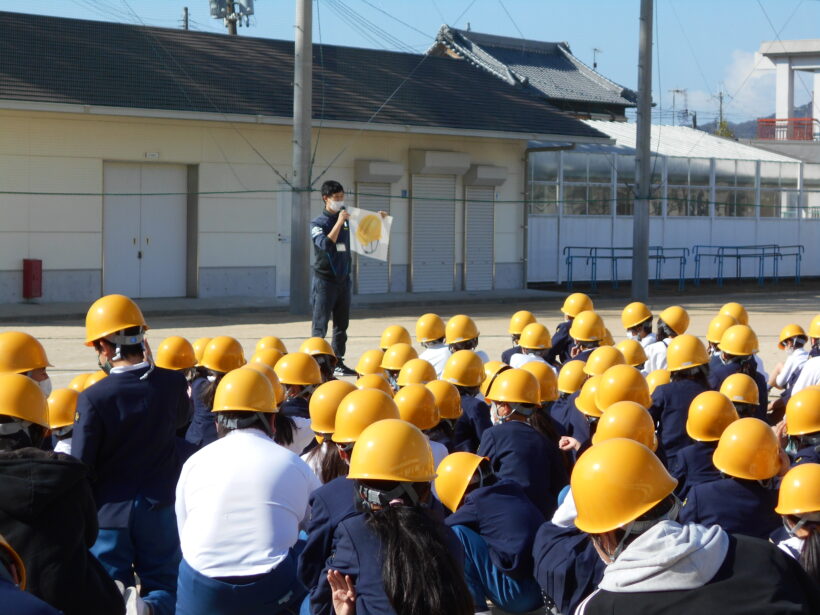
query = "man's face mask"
{"x": 45, "y": 386}
{"x": 335, "y": 206}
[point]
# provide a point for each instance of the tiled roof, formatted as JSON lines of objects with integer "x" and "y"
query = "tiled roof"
{"x": 549, "y": 69}
{"x": 57, "y": 60}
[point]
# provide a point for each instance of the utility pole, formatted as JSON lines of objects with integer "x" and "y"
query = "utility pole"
{"x": 720, "y": 108}
{"x": 643, "y": 181}
{"x": 300, "y": 203}
{"x": 231, "y": 19}
{"x": 185, "y": 18}
{"x": 675, "y": 92}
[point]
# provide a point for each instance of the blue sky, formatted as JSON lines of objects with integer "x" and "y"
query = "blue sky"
{"x": 703, "y": 46}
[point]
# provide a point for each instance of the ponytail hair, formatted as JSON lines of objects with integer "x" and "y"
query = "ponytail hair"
{"x": 748, "y": 365}
{"x": 810, "y": 553}
{"x": 331, "y": 464}
{"x": 699, "y": 374}
{"x": 420, "y": 575}
{"x": 285, "y": 426}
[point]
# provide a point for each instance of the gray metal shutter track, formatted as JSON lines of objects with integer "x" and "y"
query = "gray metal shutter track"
{"x": 433, "y": 232}
{"x": 372, "y": 274}
{"x": 478, "y": 239}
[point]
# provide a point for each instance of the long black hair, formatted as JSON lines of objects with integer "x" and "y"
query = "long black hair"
{"x": 209, "y": 390}
{"x": 285, "y": 426}
{"x": 699, "y": 373}
{"x": 419, "y": 574}
{"x": 810, "y": 553}
{"x": 331, "y": 464}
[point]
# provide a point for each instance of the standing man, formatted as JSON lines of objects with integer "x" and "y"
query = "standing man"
{"x": 332, "y": 285}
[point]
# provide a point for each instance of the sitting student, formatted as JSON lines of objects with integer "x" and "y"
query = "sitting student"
{"x": 798, "y": 501}
{"x": 62, "y": 405}
{"x": 672, "y": 321}
{"x": 417, "y": 406}
{"x": 562, "y": 343}
{"x": 737, "y": 355}
{"x": 415, "y": 371}
{"x": 430, "y": 334}
{"x": 300, "y": 374}
{"x": 324, "y": 459}
{"x": 394, "y": 334}
{"x": 461, "y": 333}
{"x": 742, "y": 391}
{"x": 637, "y": 320}
{"x": 792, "y": 340}
{"x": 743, "y": 502}
{"x": 634, "y": 353}
{"x": 394, "y": 359}
{"x": 518, "y": 321}
{"x": 534, "y": 344}
{"x": 370, "y": 363}
{"x": 465, "y": 370}
{"x": 496, "y": 524}
{"x": 323, "y": 354}
{"x": 715, "y": 331}
{"x": 587, "y": 332}
{"x": 803, "y": 426}
{"x": 448, "y": 402}
{"x": 570, "y": 380}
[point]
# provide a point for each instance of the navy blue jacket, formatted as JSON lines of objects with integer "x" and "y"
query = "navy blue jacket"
{"x": 561, "y": 344}
{"x": 583, "y": 355}
{"x": 330, "y": 504}
{"x": 507, "y": 521}
{"x": 669, "y": 410}
{"x": 471, "y": 425}
{"x": 357, "y": 552}
{"x": 521, "y": 454}
{"x": 202, "y": 429}
{"x": 567, "y": 566}
{"x": 808, "y": 454}
{"x": 17, "y": 602}
{"x": 125, "y": 430}
{"x": 297, "y": 406}
{"x": 329, "y": 262}
{"x": 507, "y": 354}
{"x": 694, "y": 466}
{"x": 720, "y": 372}
{"x": 738, "y": 506}
{"x": 562, "y": 410}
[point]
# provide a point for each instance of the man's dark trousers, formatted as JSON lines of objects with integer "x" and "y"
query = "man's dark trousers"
{"x": 332, "y": 299}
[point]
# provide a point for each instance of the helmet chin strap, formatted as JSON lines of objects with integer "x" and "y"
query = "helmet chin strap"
{"x": 639, "y": 527}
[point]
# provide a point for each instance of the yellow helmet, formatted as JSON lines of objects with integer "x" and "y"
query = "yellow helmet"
{"x": 684, "y": 352}
{"x": 370, "y": 362}
{"x": 374, "y": 381}
{"x": 491, "y": 370}
{"x": 175, "y": 353}
{"x": 739, "y": 340}
{"x": 571, "y": 377}
{"x": 392, "y": 450}
{"x": 803, "y": 412}
{"x": 633, "y": 352}
{"x": 62, "y": 404}
{"x": 223, "y": 354}
{"x": 585, "y": 402}
{"x": 244, "y": 390}
{"x": 587, "y": 327}
{"x": 271, "y": 341}
{"x": 535, "y": 336}
{"x": 298, "y": 368}
{"x": 519, "y": 320}
{"x": 656, "y": 378}
{"x": 429, "y": 327}
{"x": 453, "y": 476}
{"x": 736, "y": 311}
{"x": 94, "y": 379}
{"x": 416, "y": 371}
{"x": 359, "y": 409}
{"x": 460, "y": 328}
{"x": 799, "y": 490}
{"x": 448, "y": 401}
{"x": 547, "y": 380}
{"x": 615, "y": 482}
{"x": 397, "y": 355}
{"x": 634, "y": 314}
{"x": 21, "y": 353}
{"x": 369, "y": 229}
{"x": 622, "y": 383}
{"x": 710, "y": 413}
{"x": 748, "y": 449}
{"x": 324, "y": 402}
{"x": 718, "y": 326}
{"x": 601, "y": 359}
{"x": 464, "y": 368}
{"x": 111, "y": 314}
{"x": 267, "y": 356}
{"x": 788, "y": 332}
{"x": 417, "y": 405}
{"x": 576, "y": 303}
{"x": 626, "y": 419}
{"x": 394, "y": 334}
{"x": 608, "y": 340}
{"x": 814, "y": 327}
{"x": 315, "y": 346}
{"x": 676, "y": 318}
{"x": 21, "y": 398}
{"x": 278, "y": 389}
{"x": 515, "y": 386}
{"x": 199, "y": 345}
{"x": 78, "y": 382}
{"x": 17, "y": 560}
{"x": 741, "y": 388}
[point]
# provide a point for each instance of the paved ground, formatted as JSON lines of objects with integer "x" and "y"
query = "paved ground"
{"x": 62, "y": 337}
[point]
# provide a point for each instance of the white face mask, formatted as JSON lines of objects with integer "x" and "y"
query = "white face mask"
{"x": 630, "y": 335}
{"x": 789, "y": 350}
{"x": 45, "y": 386}
{"x": 335, "y": 206}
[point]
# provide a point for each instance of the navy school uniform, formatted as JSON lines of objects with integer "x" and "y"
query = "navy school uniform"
{"x": 357, "y": 552}
{"x": 561, "y": 344}
{"x": 738, "y": 506}
{"x": 560, "y": 411}
{"x": 471, "y": 425}
{"x": 443, "y": 436}
{"x": 669, "y": 410}
{"x": 808, "y": 454}
{"x": 720, "y": 372}
{"x": 330, "y": 504}
{"x": 567, "y": 566}
{"x": 583, "y": 355}
{"x": 507, "y": 354}
{"x": 504, "y": 517}
{"x": 296, "y": 406}
{"x": 694, "y": 466}
{"x": 202, "y": 429}
{"x": 17, "y": 602}
{"x": 519, "y": 453}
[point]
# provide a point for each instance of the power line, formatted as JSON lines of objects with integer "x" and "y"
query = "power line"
{"x": 396, "y": 19}
{"x": 515, "y": 25}
{"x": 691, "y": 49}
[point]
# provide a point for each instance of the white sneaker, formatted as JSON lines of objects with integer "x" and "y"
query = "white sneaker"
{"x": 134, "y": 604}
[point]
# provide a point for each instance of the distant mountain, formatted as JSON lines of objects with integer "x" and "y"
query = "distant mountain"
{"x": 748, "y": 130}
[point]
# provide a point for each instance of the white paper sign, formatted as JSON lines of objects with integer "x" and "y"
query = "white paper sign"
{"x": 369, "y": 233}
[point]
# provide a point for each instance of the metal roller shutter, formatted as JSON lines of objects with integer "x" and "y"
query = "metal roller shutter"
{"x": 478, "y": 237}
{"x": 432, "y": 231}
{"x": 372, "y": 274}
